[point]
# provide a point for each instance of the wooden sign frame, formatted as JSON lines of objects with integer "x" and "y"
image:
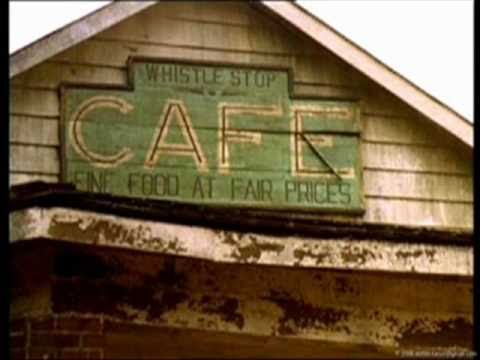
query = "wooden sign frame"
{"x": 129, "y": 87}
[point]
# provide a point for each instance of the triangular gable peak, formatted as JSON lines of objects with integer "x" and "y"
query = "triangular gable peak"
{"x": 213, "y": 276}
{"x": 365, "y": 63}
{"x": 416, "y": 171}
{"x": 290, "y": 13}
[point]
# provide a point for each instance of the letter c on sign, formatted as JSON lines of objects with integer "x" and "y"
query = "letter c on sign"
{"x": 78, "y": 142}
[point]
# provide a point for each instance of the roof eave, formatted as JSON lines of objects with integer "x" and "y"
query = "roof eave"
{"x": 73, "y": 33}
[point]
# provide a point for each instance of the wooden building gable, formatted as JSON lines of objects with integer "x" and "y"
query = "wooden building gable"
{"x": 122, "y": 274}
{"x": 416, "y": 168}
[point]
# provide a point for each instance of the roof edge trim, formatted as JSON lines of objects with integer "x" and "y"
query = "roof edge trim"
{"x": 327, "y": 37}
{"x": 73, "y": 33}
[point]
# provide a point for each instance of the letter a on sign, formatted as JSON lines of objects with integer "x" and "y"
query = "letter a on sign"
{"x": 176, "y": 110}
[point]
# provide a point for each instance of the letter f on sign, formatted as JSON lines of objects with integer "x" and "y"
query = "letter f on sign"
{"x": 228, "y": 135}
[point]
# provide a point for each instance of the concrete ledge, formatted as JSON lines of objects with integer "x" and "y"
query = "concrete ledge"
{"x": 86, "y": 227}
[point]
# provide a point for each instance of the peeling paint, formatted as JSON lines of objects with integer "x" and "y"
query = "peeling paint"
{"x": 149, "y": 297}
{"x": 406, "y": 254}
{"x": 430, "y": 253}
{"x": 300, "y": 255}
{"x": 306, "y": 304}
{"x": 236, "y": 247}
{"x": 298, "y": 315}
{"x": 94, "y": 231}
{"x": 26, "y": 223}
{"x": 106, "y": 231}
{"x": 247, "y": 248}
{"x": 357, "y": 256}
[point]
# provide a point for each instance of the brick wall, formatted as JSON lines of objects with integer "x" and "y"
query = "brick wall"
{"x": 57, "y": 337}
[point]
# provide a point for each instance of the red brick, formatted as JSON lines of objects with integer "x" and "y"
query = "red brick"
{"x": 18, "y": 354}
{"x": 54, "y": 340}
{"x": 17, "y": 325}
{"x": 93, "y": 341}
{"x": 94, "y": 354}
{"x": 17, "y": 340}
{"x": 42, "y": 353}
{"x": 42, "y": 323}
{"x": 72, "y": 354}
{"x": 81, "y": 354}
{"x": 79, "y": 324}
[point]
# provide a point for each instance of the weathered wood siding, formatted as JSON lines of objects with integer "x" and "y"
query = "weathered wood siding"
{"x": 414, "y": 173}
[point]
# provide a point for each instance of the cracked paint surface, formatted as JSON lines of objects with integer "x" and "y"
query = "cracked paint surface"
{"x": 235, "y": 247}
{"x": 301, "y": 303}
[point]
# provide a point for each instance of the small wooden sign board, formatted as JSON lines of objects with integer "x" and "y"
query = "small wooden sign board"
{"x": 213, "y": 134}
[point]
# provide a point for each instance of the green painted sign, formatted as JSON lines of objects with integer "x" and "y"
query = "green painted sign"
{"x": 213, "y": 134}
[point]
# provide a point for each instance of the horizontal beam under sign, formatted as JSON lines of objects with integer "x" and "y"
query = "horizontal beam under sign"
{"x": 95, "y": 229}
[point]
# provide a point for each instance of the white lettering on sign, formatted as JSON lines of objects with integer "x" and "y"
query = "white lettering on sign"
{"x": 175, "y": 109}
{"x": 78, "y": 142}
{"x": 227, "y": 135}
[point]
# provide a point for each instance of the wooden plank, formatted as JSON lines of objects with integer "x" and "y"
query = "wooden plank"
{"x": 327, "y": 91}
{"x": 418, "y": 186}
{"x": 34, "y": 102}
{"x": 375, "y": 100}
{"x": 263, "y": 36}
{"x": 114, "y": 53}
{"x": 415, "y": 158}
{"x": 185, "y": 240}
{"x": 419, "y": 213}
{"x": 395, "y": 157}
{"x": 394, "y": 185}
{"x": 217, "y": 27}
{"x": 163, "y": 30}
{"x": 415, "y": 186}
{"x": 267, "y": 34}
{"x": 22, "y": 178}
{"x": 384, "y": 118}
{"x": 45, "y": 131}
{"x": 73, "y": 34}
{"x": 29, "y": 158}
{"x": 230, "y": 13}
{"x": 414, "y": 129}
{"x": 324, "y": 68}
{"x": 51, "y": 74}
{"x": 407, "y": 130}
{"x": 34, "y": 130}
